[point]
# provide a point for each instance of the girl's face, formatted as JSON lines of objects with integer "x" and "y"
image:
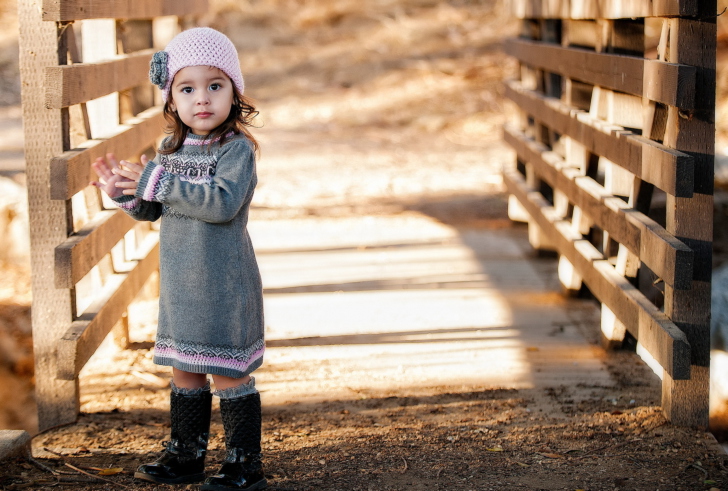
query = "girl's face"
{"x": 202, "y": 96}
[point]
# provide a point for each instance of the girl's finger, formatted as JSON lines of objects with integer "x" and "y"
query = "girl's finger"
{"x": 101, "y": 168}
{"x": 112, "y": 160}
{"x": 120, "y": 171}
{"x": 133, "y": 166}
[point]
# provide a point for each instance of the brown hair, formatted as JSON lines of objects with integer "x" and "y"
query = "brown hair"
{"x": 240, "y": 118}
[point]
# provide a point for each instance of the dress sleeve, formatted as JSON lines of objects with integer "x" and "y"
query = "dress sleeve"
{"x": 138, "y": 208}
{"x": 216, "y": 201}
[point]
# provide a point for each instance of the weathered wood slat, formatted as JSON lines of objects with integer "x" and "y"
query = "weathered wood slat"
{"x": 68, "y": 10}
{"x": 667, "y": 169}
{"x": 57, "y": 400}
{"x": 693, "y": 41}
{"x": 602, "y": 9}
{"x": 67, "y": 85}
{"x": 84, "y": 249}
{"x": 666, "y": 83}
{"x": 71, "y": 171}
{"x": 667, "y": 344}
{"x": 85, "y": 334}
{"x": 665, "y": 255}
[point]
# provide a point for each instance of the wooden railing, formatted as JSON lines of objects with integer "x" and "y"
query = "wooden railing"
{"x": 614, "y": 138}
{"x": 85, "y": 92}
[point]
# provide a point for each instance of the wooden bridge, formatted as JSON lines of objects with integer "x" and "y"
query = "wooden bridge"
{"x": 614, "y": 171}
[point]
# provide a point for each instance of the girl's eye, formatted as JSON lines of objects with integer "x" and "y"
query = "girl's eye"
{"x": 215, "y": 87}
{"x": 186, "y": 90}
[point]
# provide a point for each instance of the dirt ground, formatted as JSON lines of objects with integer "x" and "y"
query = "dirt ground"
{"x": 373, "y": 108}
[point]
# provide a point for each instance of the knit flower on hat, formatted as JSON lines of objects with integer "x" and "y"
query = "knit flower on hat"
{"x": 158, "y": 69}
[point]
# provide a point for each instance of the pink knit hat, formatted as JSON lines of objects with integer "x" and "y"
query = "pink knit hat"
{"x": 198, "y": 46}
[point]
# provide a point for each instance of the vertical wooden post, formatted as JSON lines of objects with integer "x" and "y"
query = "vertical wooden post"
{"x": 685, "y": 402}
{"x": 52, "y": 308}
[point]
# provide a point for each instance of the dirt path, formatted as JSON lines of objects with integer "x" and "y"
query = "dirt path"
{"x": 381, "y": 137}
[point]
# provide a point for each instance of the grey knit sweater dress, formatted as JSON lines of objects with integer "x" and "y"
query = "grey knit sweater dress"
{"x": 211, "y": 296}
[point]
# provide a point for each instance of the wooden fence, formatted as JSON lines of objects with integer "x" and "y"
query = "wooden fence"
{"x": 85, "y": 93}
{"x": 614, "y": 137}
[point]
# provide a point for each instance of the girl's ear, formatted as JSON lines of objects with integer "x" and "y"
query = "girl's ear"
{"x": 172, "y": 106}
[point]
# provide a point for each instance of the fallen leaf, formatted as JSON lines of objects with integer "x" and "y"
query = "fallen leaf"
{"x": 111, "y": 471}
{"x": 533, "y": 348}
{"x": 495, "y": 449}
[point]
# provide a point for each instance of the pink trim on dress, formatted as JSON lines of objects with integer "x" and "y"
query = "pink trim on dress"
{"x": 201, "y": 360}
{"x": 151, "y": 189}
{"x": 203, "y": 141}
{"x": 129, "y": 205}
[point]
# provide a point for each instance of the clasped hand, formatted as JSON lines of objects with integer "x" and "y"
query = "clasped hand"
{"x": 118, "y": 178}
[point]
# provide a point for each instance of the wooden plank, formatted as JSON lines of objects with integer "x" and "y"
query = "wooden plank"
{"x": 669, "y": 258}
{"x": 73, "y": 84}
{"x": 78, "y": 254}
{"x": 625, "y": 36}
{"x": 71, "y": 170}
{"x": 581, "y": 33}
{"x": 100, "y": 45}
{"x": 652, "y": 328}
{"x": 668, "y": 169}
{"x": 603, "y": 9}
{"x": 57, "y": 400}
{"x": 69, "y": 10}
{"x": 668, "y": 83}
{"x": 133, "y": 36}
{"x": 84, "y": 336}
{"x": 693, "y": 41}
{"x": 616, "y": 108}
{"x": 675, "y": 8}
{"x": 610, "y": 9}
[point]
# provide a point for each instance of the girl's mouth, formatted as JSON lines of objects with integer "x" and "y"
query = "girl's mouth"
{"x": 203, "y": 115}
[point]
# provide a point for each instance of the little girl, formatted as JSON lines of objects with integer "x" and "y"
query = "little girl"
{"x": 211, "y": 304}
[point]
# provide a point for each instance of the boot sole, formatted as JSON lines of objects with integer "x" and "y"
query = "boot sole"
{"x": 178, "y": 480}
{"x": 262, "y": 484}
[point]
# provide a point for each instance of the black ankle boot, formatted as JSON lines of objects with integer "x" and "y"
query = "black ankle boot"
{"x": 243, "y": 467}
{"x": 183, "y": 460}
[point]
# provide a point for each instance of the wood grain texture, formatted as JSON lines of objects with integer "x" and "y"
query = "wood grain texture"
{"x": 669, "y": 258}
{"x": 78, "y": 254}
{"x": 85, "y": 334}
{"x": 52, "y": 311}
{"x": 67, "y": 85}
{"x": 666, "y": 83}
{"x": 68, "y": 10}
{"x": 602, "y": 9}
{"x": 657, "y": 333}
{"x": 666, "y": 168}
{"x": 693, "y": 41}
{"x": 72, "y": 171}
